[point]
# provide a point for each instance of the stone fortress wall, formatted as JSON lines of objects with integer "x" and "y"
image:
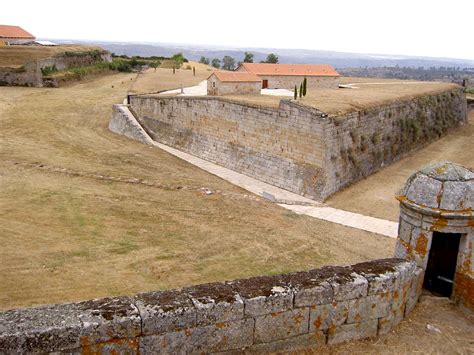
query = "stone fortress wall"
{"x": 30, "y": 74}
{"x": 296, "y": 147}
{"x": 282, "y": 147}
{"x": 266, "y": 313}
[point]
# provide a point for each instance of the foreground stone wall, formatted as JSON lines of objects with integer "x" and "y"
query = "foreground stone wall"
{"x": 283, "y": 147}
{"x": 296, "y": 147}
{"x": 268, "y": 313}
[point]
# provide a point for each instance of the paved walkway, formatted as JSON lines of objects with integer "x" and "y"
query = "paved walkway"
{"x": 349, "y": 219}
{"x": 289, "y": 200}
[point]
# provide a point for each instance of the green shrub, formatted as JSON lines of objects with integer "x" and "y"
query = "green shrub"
{"x": 49, "y": 70}
{"x": 375, "y": 138}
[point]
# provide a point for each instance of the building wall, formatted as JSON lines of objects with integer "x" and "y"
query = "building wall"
{"x": 289, "y": 82}
{"x": 281, "y": 146}
{"x": 11, "y": 41}
{"x": 286, "y": 312}
{"x": 217, "y": 87}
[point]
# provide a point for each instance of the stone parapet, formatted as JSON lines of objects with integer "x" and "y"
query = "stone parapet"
{"x": 329, "y": 305}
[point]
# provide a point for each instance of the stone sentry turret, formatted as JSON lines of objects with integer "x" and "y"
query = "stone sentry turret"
{"x": 437, "y": 229}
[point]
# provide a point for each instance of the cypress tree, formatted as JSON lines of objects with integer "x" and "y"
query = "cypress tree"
{"x": 304, "y": 86}
{"x": 174, "y": 69}
{"x": 301, "y": 90}
{"x": 194, "y": 71}
{"x": 296, "y": 92}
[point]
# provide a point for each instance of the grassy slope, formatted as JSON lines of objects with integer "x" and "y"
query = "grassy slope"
{"x": 70, "y": 229}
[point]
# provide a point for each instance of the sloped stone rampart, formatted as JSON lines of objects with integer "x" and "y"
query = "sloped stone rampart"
{"x": 296, "y": 147}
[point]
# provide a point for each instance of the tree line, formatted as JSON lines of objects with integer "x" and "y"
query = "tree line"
{"x": 229, "y": 63}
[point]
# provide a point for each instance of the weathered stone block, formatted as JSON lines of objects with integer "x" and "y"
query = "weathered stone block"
{"x": 346, "y": 288}
{"x": 212, "y": 338}
{"x": 165, "y": 311}
{"x": 280, "y": 325}
{"x": 386, "y": 324}
{"x": 264, "y": 295}
{"x": 371, "y": 307}
{"x": 353, "y": 331}
{"x": 406, "y": 271}
{"x": 68, "y": 326}
{"x": 456, "y": 193}
{"x": 414, "y": 291}
{"x": 311, "y": 340}
{"x": 216, "y": 302}
{"x": 380, "y": 274}
{"x": 328, "y": 315}
{"x": 424, "y": 190}
{"x": 314, "y": 295}
{"x": 404, "y": 230}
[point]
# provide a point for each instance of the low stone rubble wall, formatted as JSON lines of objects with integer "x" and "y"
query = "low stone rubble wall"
{"x": 329, "y": 305}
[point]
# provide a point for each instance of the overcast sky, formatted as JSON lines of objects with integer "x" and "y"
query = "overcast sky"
{"x": 410, "y": 27}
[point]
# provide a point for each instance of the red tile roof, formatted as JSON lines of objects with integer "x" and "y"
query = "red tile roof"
{"x": 290, "y": 69}
{"x": 236, "y": 76}
{"x": 14, "y": 32}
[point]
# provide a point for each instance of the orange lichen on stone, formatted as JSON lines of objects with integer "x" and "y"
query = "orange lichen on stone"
{"x": 130, "y": 344}
{"x": 317, "y": 322}
{"x": 188, "y": 332}
{"x": 464, "y": 289}
{"x": 439, "y": 224}
{"x": 407, "y": 246}
{"x": 298, "y": 319}
{"x": 401, "y": 198}
{"x": 220, "y": 325}
{"x": 421, "y": 245}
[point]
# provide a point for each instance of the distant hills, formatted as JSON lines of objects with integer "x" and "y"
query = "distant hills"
{"x": 336, "y": 59}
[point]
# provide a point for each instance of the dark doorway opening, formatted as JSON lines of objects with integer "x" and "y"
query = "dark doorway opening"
{"x": 264, "y": 84}
{"x": 439, "y": 275}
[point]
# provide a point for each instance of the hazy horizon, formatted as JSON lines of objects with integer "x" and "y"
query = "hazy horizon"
{"x": 419, "y": 29}
{"x": 241, "y": 48}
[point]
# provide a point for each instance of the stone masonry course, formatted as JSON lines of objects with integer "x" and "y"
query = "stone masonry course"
{"x": 329, "y": 305}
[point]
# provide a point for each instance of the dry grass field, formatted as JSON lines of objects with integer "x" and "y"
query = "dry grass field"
{"x": 16, "y": 56}
{"x": 375, "y": 195}
{"x": 86, "y": 213}
{"x": 369, "y": 92}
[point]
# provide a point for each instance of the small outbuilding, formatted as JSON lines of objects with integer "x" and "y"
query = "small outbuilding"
{"x": 287, "y": 76}
{"x": 14, "y": 35}
{"x": 228, "y": 82}
{"x": 436, "y": 229}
